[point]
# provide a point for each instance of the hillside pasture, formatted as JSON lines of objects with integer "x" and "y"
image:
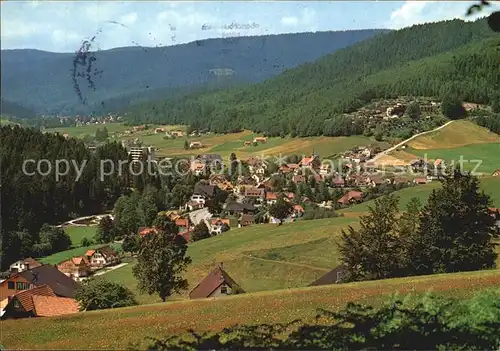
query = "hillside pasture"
{"x": 77, "y": 233}
{"x": 456, "y": 134}
{"x": 121, "y": 328}
{"x": 260, "y": 257}
{"x": 77, "y": 251}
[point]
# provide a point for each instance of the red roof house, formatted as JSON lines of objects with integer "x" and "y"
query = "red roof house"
{"x": 217, "y": 283}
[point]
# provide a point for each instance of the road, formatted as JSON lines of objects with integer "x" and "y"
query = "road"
{"x": 392, "y": 148}
{"x": 72, "y": 222}
{"x": 106, "y": 270}
{"x": 199, "y": 215}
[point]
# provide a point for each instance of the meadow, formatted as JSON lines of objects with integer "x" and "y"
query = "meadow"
{"x": 225, "y": 144}
{"x": 77, "y": 251}
{"x": 77, "y": 233}
{"x": 131, "y": 326}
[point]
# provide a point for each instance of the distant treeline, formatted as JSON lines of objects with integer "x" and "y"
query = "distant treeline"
{"x": 450, "y": 58}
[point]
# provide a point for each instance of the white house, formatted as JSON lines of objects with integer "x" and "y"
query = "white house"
{"x": 200, "y": 199}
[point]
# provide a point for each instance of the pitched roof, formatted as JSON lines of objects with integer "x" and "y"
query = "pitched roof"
{"x": 298, "y": 208}
{"x": 25, "y": 297}
{"x": 271, "y": 196}
{"x": 107, "y": 251}
{"x": 47, "y": 306}
{"x": 79, "y": 260}
{"x": 32, "y": 262}
{"x": 204, "y": 189}
{"x": 60, "y": 283}
{"x": 330, "y": 277}
{"x": 247, "y": 218}
{"x": 89, "y": 253}
{"x": 182, "y": 222}
{"x": 211, "y": 282}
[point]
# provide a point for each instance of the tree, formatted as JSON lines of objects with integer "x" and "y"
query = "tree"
{"x": 160, "y": 264}
{"x": 131, "y": 243}
{"x": 281, "y": 210}
{"x": 52, "y": 240}
{"x": 456, "y": 229}
{"x": 105, "y": 230}
{"x": 453, "y": 108}
{"x": 373, "y": 251}
{"x": 99, "y": 294}
{"x": 85, "y": 242}
{"x": 200, "y": 232}
{"x": 407, "y": 228}
{"x": 164, "y": 223}
{"x": 413, "y": 110}
{"x": 186, "y": 145}
{"x": 495, "y": 103}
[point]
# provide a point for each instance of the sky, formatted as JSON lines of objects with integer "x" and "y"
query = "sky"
{"x": 61, "y": 26}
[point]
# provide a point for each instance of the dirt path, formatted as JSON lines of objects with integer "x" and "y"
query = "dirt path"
{"x": 392, "y": 148}
{"x": 288, "y": 263}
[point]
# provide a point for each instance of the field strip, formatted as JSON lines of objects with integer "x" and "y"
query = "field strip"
{"x": 286, "y": 263}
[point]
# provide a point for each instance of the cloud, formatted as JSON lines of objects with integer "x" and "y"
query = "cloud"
{"x": 289, "y": 21}
{"x": 65, "y": 38}
{"x": 129, "y": 18}
{"x": 414, "y": 12}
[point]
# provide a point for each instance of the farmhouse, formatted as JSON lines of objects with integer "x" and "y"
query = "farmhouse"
{"x": 61, "y": 284}
{"x": 195, "y": 145}
{"x": 217, "y": 283}
{"x": 260, "y": 140}
{"x": 217, "y": 224}
{"x": 245, "y": 220}
{"x": 75, "y": 267}
{"x": 145, "y": 231}
{"x": 350, "y": 197}
{"x": 421, "y": 180}
{"x": 40, "y": 301}
{"x": 496, "y": 173}
{"x": 24, "y": 265}
{"x": 102, "y": 257}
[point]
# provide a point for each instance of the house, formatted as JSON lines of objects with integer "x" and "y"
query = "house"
{"x": 496, "y": 173}
{"x": 377, "y": 180}
{"x": 75, "y": 267}
{"x": 145, "y": 231}
{"x": 24, "y": 264}
{"x": 335, "y": 276}
{"x": 421, "y": 180}
{"x": 217, "y": 283}
{"x": 39, "y": 301}
{"x": 245, "y": 220}
{"x": 255, "y": 193}
{"x": 193, "y": 205}
{"x": 309, "y": 161}
{"x": 298, "y": 211}
{"x": 350, "y": 197}
{"x": 177, "y": 133}
{"x": 204, "y": 190}
{"x": 183, "y": 224}
{"x": 217, "y": 224}
{"x": 46, "y": 274}
{"x": 236, "y": 208}
{"x": 298, "y": 178}
{"x": 260, "y": 140}
{"x": 271, "y": 198}
{"x": 198, "y": 167}
{"x": 247, "y": 143}
{"x": 195, "y": 145}
{"x": 325, "y": 169}
{"x": 102, "y": 257}
{"x": 285, "y": 169}
{"x": 339, "y": 182}
{"x": 159, "y": 130}
{"x": 439, "y": 163}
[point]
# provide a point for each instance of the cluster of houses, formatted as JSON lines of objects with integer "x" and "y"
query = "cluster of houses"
{"x": 94, "y": 259}
{"x": 32, "y": 289}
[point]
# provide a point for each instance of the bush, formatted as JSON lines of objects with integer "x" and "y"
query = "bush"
{"x": 86, "y": 242}
{"x": 99, "y": 294}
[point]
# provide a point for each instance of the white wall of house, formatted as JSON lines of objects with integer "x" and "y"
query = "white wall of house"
{"x": 222, "y": 290}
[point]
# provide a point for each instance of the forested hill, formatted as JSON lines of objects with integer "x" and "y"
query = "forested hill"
{"x": 44, "y": 81}
{"x": 430, "y": 59}
{"x": 11, "y": 109}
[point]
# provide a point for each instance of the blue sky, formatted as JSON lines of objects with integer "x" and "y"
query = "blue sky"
{"x": 62, "y": 26}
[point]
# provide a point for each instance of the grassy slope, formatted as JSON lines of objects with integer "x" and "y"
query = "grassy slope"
{"x": 78, "y": 233}
{"x": 119, "y": 328}
{"x": 461, "y": 138}
{"x": 263, "y": 257}
{"x": 490, "y": 185}
{"x": 225, "y": 144}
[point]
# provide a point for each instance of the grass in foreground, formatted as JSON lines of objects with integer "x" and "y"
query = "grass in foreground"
{"x": 117, "y": 329}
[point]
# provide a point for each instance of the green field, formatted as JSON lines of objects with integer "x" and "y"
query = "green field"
{"x": 123, "y": 327}
{"x": 300, "y": 253}
{"x": 78, "y": 233}
{"x": 225, "y": 144}
{"x": 78, "y": 251}
{"x": 486, "y": 156}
